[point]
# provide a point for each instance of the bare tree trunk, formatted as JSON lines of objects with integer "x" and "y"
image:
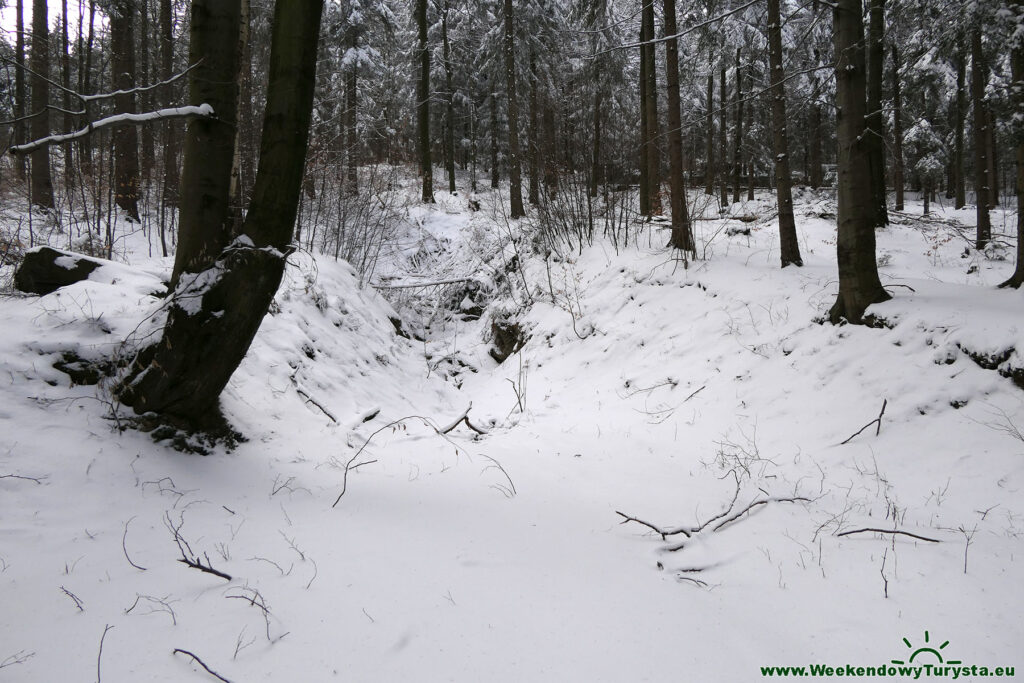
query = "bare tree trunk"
{"x": 859, "y": 286}
{"x": 205, "y": 216}
{"x": 651, "y": 94}
{"x": 85, "y": 144}
{"x": 788, "y": 244}
{"x": 815, "y": 178}
{"x": 514, "y": 167}
{"x": 495, "y": 178}
{"x": 979, "y": 78}
{"x": 68, "y": 123}
{"x": 723, "y": 142}
{"x": 449, "y": 132}
{"x": 19, "y": 89}
{"x": 645, "y": 181}
{"x": 897, "y": 129}
{"x": 170, "y": 137}
{"x": 709, "y": 153}
{"x": 126, "y": 139}
{"x": 182, "y": 376}
{"x": 1017, "y": 97}
{"x": 423, "y": 104}
{"x": 351, "y": 109}
{"x": 42, "y": 183}
{"x": 597, "y": 168}
{"x": 145, "y": 99}
{"x": 993, "y": 160}
{"x": 875, "y": 122}
{"x": 237, "y": 191}
{"x": 737, "y": 143}
{"x": 682, "y": 235}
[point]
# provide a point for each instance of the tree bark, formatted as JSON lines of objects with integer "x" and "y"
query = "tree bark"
{"x": 979, "y": 78}
{"x": 148, "y": 152}
{"x": 651, "y": 95}
{"x": 1017, "y": 98}
{"x": 682, "y": 235}
{"x": 170, "y": 136}
{"x": 737, "y": 142}
{"x": 723, "y": 141}
{"x": 514, "y": 162}
{"x": 875, "y": 122}
{"x": 423, "y": 104}
{"x": 237, "y": 191}
{"x": 645, "y": 181}
{"x": 533, "y": 195}
{"x": 42, "y": 183}
{"x": 815, "y": 178}
{"x": 351, "y": 108}
{"x": 126, "y": 139}
{"x": 449, "y": 131}
{"x": 859, "y": 285}
{"x": 68, "y": 123}
{"x": 85, "y": 144}
{"x": 495, "y": 177}
{"x": 993, "y": 163}
{"x": 709, "y": 152}
{"x": 788, "y": 244}
{"x": 182, "y": 376}
{"x": 19, "y": 88}
{"x": 897, "y": 129}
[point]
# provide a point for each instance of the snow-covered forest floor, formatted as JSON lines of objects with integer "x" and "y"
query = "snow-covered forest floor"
{"x": 676, "y": 396}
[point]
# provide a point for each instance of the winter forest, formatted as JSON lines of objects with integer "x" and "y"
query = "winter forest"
{"x": 511, "y": 340}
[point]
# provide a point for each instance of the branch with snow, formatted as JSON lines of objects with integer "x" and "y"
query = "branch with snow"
{"x": 199, "y": 111}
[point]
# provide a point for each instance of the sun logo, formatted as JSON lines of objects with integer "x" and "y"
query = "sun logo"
{"x": 926, "y": 649}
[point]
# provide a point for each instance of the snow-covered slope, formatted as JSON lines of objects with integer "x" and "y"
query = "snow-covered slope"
{"x": 667, "y": 394}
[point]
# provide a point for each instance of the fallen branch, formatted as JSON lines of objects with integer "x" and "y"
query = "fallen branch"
{"x": 37, "y": 480}
{"x": 459, "y": 420}
{"x": 434, "y": 283}
{"x": 201, "y": 663}
{"x": 124, "y": 546}
{"x": 877, "y": 420}
{"x": 188, "y": 558}
{"x": 889, "y": 531}
{"x": 196, "y": 563}
{"x": 99, "y": 655}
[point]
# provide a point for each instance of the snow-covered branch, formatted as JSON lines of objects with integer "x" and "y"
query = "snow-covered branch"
{"x": 202, "y": 110}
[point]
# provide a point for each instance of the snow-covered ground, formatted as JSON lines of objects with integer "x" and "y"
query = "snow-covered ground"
{"x": 646, "y": 390}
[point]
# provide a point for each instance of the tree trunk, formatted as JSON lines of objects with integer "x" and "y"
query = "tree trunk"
{"x": 993, "y": 163}
{"x": 645, "y": 181}
{"x": 709, "y": 153}
{"x": 651, "y": 94}
{"x": 85, "y": 144}
{"x": 859, "y": 286}
{"x": 897, "y": 129}
{"x": 514, "y": 163}
{"x": 534, "y": 172}
{"x": 737, "y": 143}
{"x": 423, "y": 104}
{"x": 723, "y": 141}
{"x": 170, "y": 137}
{"x": 979, "y": 78}
{"x": 875, "y": 122}
{"x": 597, "y": 168}
{"x": 1017, "y": 98}
{"x": 145, "y": 99}
{"x": 205, "y": 186}
{"x": 495, "y": 178}
{"x": 68, "y": 123}
{"x": 682, "y": 235}
{"x": 959, "y": 184}
{"x": 42, "y": 183}
{"x": 19, "y": 89}
{"x": 449, "y": 131}
{"x": 788, "y": 244}
{"x": 237, "y": 191}
{"x": 126, "y": 138}
{"x": 182, "y": 376}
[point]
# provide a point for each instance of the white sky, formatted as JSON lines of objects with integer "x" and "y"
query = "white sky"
{"x": 9, "y": 14}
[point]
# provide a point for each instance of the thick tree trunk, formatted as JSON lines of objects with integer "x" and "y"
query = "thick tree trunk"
{"x": 237, "y": 191}
{"x": 645, "y": 181}
{"x": 42, "y": 183}
{"x": 170, "y": 130}
{"x": 979, "y": 78}
{"x": 205, "y": 185}
{"x": 182, "y": 375}
{"x": 651, "y": 111}
{"x": 514, "y": 160}
{"x": 788, "y": 244}
{"x": 859, "y": 286}
{"x": 815, "y": 174}
{"x": 145, "y": 99}
{"x": 126, "y": 138}
{"x": 449, "y": 131}
{"x": 1017, "y": 98}
{"x": 423, "y": 104}
{"x": 959, "y": 183}
{"x": 875, "y": 122}
{"x": 993, "y": 158}
{"x": 21, "y": 161}
{"x": 897, "y": 129}
{"x": 682, "y": 235}
{"x": 737, "y": 142}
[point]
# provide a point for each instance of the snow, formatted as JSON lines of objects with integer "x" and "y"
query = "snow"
{"x": 645, "y": 388}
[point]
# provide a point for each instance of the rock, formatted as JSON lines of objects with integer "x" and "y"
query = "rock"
{"x": 46, "y": 270}
{"x": 508, "y": 338}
